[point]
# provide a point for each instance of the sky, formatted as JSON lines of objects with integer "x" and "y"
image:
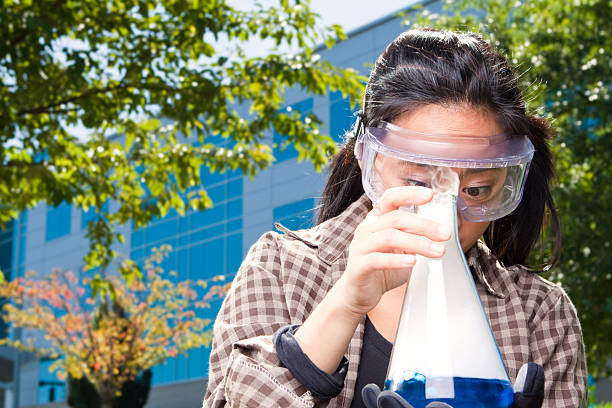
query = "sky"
{"x": 352, "y": 14}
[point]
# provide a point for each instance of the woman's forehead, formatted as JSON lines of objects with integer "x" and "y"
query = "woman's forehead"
{"x": 460, "y": 120}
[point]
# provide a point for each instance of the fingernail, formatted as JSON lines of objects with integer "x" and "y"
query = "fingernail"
{"x": 437, "y": 249}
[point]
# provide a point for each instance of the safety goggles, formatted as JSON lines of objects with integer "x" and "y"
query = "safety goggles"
{"x": 492, "y": 169}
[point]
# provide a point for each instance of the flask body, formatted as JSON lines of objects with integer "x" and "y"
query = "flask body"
{"x": 444, "y": 348}
{"x": 468, "y": 392}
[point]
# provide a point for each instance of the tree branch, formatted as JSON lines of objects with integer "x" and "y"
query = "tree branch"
{"x": 42, "y": 109}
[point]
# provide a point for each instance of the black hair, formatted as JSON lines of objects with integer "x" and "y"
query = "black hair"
{"x": 430, "y": 67}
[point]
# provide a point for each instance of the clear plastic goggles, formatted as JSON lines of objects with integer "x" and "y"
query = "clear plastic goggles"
{"x": 492, "y": 169}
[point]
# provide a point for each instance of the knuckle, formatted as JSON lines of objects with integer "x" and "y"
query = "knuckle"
{"x": 369, "y": 261}
{"x": 424, "y": 243}
{"x": 387, "y": 239}
{"x": 396, "y": 217}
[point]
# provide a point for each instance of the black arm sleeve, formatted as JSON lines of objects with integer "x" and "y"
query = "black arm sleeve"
{"x": 322, "y": 385}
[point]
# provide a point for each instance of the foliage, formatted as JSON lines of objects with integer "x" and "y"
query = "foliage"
{"x": 562, "y": 50}
{"x": 109, "y": 343}
{"x": 130, "y": 103}
{"x": 154, "y": 73}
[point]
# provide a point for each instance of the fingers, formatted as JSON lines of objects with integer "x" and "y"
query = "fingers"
{"x": 393, "y": 269}
{"x": 369, "y": 393}
{"x": 394, "y": 240}
{"x": 386, "y": 261}
{"x": 411, "y": 223}
{"x": 396, "y": 197}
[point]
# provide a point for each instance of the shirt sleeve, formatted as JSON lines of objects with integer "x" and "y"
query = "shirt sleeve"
{"x": 324, "y": 386}
{"x": 244, "y": 369}
{"x": 556, "y": 344}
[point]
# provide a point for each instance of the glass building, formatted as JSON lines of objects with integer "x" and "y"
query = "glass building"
{"x": 204, "y": 243}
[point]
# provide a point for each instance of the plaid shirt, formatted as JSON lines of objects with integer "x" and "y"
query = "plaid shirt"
{"x": 284, "y": 277}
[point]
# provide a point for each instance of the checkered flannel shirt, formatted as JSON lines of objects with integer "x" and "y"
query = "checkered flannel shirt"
{"x": 284, "y": 277}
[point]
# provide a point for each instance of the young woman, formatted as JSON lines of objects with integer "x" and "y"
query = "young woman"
{"x": 312, "y": 314}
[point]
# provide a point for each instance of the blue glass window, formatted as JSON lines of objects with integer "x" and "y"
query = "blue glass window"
{"x": 234, "y": 225}
{"x": 234, "y": 188}
{"x": 184, "y": 240}
{"x": 217, "y": 193}
{"x": 208, "y": 216}
{"x": 164, "y": 373}
{"x": 58, "y": 221}
{"x": 234, "y": 208}
{"x": 304, "y": 108}
{"x": 209, "y": 178}
{"x": 181, "y": 367}
{"x": 296, "y": 215}
{"x": 233, "y": 249}
{"x": 341, "y": 116}
{"x": 196, "y": 262}
{"x": 207, "y": 233}
{"x": 184, "y": 223}
{"x": 50, "y": 389}
{"x": 183, "y": 264}
{"x": 137, "y": 237}
{"x": 197, "y": 362}
{"x": 161, "y": 230}
{"x": 138, "y": 254}
{"x": 213, "y": 257}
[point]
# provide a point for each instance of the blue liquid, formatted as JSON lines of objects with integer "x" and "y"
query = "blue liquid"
{"x": 469, "y": 392}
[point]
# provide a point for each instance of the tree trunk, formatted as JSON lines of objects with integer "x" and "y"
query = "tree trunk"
{"x": 107, "y": 399}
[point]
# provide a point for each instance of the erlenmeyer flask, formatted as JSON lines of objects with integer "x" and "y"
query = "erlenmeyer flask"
{"x": 444, "y": 352}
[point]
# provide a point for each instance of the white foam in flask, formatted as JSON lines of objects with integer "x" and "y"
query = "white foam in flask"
{"x": 444, "y": 349}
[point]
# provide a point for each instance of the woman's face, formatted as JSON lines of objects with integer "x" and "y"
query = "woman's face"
{"x": 475, "y": 185}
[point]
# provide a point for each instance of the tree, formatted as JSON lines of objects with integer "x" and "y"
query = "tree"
{"x": 119, "y": 102}
{"x": 562, "y": 50}
{"x": 109, "y": 344}
{"x": 152, "y": 72}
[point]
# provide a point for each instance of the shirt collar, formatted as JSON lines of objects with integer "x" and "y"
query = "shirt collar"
{"x": 336, "y": 233}
{"x": 331, "y": 238}
{"x": 487, "y": 269}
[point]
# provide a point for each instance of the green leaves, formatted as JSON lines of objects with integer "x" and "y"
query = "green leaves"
{"x": 147, "y": 87}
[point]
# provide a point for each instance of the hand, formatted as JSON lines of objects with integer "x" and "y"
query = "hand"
{"x": 382, "y": 252}
{"x": 380, "y": 258}
{"x": 528, "y": 392}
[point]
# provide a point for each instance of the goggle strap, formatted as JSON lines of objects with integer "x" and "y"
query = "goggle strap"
{"x": 358, "y": 132}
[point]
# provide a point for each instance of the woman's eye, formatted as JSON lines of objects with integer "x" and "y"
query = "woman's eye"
{"x": 413, "y": 182}
{"x": 477, "y": 193}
